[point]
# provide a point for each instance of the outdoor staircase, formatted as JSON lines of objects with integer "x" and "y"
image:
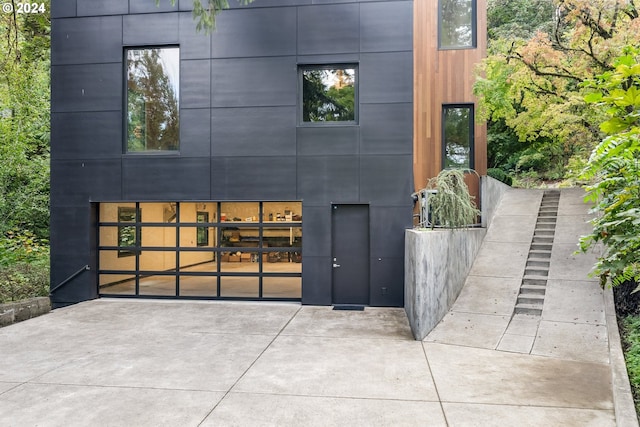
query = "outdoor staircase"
{"x": 534, "y": 282}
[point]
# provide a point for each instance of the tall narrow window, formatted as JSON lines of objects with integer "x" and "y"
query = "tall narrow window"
{"x": 329, "y": 93}
{"x": 127, "y": 234}
{"x": 152, "y": 99}
{"x": 457, "y": 24}
{"x": 457, "y": 136}
{"x": 202, "y": 233}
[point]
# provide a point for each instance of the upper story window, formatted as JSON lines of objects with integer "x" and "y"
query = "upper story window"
{"x": 457, "y": 24}
{"x": 457, "y": 136}
{"x": 329, "y": 93}
{"x": 153, "y": 88}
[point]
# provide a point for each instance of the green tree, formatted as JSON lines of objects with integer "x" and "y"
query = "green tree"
{"x": 534, "y": 86}
{"x": 24, "y": 123}
{"x": 615, "y": 167}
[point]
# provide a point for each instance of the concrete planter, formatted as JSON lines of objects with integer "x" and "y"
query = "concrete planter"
{"x": 436, "y": 265}
{"x": 22, "y": 310}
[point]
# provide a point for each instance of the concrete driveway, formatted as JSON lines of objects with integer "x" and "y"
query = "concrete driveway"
{"x": 151, "y": 363}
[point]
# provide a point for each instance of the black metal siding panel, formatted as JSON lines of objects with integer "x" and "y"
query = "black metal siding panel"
{"x": 253, "y": 178}
{"x": 316, "y": 231}
{"x": 316, "y": 279}
{"x": 387, "y": 230}
{"x": 94, "y": 8}
{"x": 77, "y": 182}
{"x": 326, "y": 179}
{"x": 255, "y": 32}
{"x": 195, "y": 83}
{"x": 87, "y": 40}
{"x": 386, "y": 128}
{"x": 151, "y": 29}
{"x": 193, "y": 44}
{"x": 269, "y": 3}
{"x": 90, "y": 135}
{"x": 91, "y": 87}
{"x": 146, "y": 6}
{"x": 165, "y": 178}
{"x": 387, "y": 273}
{"x": 63, "y": 8}
{"x": 195, "y": 132}
{"x": 379, "y": 26}
{"x": 328, "y": 29}
{"x": 254, "y": 82}
{"x": 382, "y": 79}
{"x": 253, "y": 131}
{"x": 386, "y": 180}
{"x": 328, "y": 140}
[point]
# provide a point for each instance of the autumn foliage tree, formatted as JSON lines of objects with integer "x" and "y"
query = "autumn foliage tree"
{"x": 534, "y": 87}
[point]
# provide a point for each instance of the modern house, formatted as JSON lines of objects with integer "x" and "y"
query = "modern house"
{"x": 273, "y": 159}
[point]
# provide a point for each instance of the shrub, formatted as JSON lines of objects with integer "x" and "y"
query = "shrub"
{"x": 452, "y": 206}
{"x": 500, "y": 175}
{"x": 631, "y": 338}
{"x": 614, "y": 167}
{"x": 22, "y": 281}
{"x": 24, "y": 266}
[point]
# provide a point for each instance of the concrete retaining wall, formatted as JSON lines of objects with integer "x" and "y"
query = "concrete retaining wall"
{"x": 23, "y": 310}
{"x": 491, "y": 190}
{"x": 437, "y": 263}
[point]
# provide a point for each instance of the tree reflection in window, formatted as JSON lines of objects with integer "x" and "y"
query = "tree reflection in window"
{"x": 328, "y": 94}
{"x": 202, "y": 233}
{"x": 458, "y": 136}
{"x": 457, "y": 24}
{"x": 127, "y": 233}
{"x": 152, "y": 99}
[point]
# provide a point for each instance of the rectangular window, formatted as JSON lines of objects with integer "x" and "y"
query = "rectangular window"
{"x": 457, "y": 136}
{"x": 329, "y": 93}
{"x": 457, "y": 24}
{"x": 153, "y": 88}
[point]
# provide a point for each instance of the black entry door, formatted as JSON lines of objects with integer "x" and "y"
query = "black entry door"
{"x": 350, "y": 254}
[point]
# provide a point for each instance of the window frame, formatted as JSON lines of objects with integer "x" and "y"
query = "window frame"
{"x": 474, "y": 28}
{"x": 125, "y": 102}
{"x": 333, "y": 66}
{"x": 443, "y": 146}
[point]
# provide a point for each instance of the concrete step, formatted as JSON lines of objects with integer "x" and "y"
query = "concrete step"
{"x": 547, "y": 214}
{"x": 531, "y": 299}
{"x": 534, "y": 280}
{"x": 546, "y": 226}
{"x": 544, "y": 232}
{"x": 547, "y": 220}
{"x": 542, "y": 239}
{"x": 533, "y": 289}
{"x": 541, "y": 246}
{"x": 539, "y": 253}
{"x": 535, "y": 262}
{"x": 528, "y": 309}
{"x": 536, "y": 271}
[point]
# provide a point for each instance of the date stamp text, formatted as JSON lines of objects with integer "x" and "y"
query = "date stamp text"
{"x": 19, "y": 8}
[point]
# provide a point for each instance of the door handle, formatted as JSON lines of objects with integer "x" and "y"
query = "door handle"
{"x": 336, "y": 265}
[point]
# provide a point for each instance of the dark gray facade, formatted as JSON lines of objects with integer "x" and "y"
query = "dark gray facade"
{"x": 240, "y": 136}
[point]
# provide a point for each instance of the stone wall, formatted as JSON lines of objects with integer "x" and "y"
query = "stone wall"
{"x": 437, "y": 263}
{"x": 22, "y": 310}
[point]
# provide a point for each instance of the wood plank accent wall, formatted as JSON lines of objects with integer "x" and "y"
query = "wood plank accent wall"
{"x": 442, "y": 77}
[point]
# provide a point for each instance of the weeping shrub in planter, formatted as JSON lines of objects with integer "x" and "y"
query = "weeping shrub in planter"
{"x": 451, "y": 206}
